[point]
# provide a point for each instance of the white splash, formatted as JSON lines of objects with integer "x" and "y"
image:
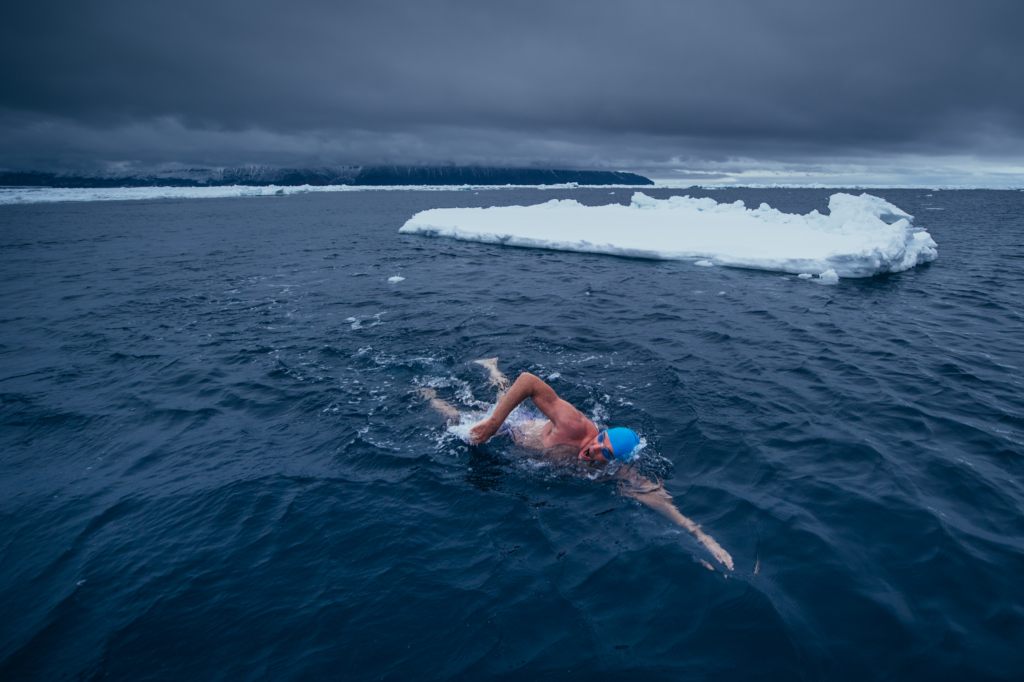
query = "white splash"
{"x": 369, "y": 320}
{"x": 395, "y": 279}
{"x": 860, "y": 236}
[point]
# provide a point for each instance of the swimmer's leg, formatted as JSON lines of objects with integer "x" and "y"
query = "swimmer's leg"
{"x": 444, "y": 408}
{"x": 497, "y": 377}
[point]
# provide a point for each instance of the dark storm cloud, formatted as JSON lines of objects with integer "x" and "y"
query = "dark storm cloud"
{"x": 521, "y": 81}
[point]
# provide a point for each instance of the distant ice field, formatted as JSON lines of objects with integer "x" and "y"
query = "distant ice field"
{"x": 47, "y": 195}
{"x": 860, "y": 236}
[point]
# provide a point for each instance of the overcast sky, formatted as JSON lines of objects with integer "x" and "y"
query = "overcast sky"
{"x": 899, "y": 91}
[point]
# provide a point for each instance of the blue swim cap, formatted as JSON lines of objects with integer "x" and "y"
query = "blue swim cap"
{"x": 623, "y": 442}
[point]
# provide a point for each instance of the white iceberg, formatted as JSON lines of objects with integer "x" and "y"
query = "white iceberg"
{"x": 860, "y": 236}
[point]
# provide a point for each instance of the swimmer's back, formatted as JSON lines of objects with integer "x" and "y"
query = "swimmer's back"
{"x": 530, "y": 433}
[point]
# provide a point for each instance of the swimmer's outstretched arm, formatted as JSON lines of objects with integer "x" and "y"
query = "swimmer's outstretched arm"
{"x": 525, "y": 386}
{"x": 657, "y": 498}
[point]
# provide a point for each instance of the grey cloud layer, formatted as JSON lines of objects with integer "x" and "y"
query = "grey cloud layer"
{"x": 562, "y": 79}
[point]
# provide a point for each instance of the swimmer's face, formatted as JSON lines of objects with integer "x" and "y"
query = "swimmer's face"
{"x": 598, "y": 451}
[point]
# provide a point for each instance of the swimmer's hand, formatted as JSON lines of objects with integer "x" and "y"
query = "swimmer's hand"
{"x": 482, "y": 432}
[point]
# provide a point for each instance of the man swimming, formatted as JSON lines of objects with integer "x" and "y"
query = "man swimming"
{"x": 568, "y": 435}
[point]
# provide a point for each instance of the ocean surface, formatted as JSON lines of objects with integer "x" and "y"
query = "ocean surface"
{"x": 214, "y": 463}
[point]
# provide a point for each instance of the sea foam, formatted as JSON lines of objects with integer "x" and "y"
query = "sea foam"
{"x": 860, "y": 236}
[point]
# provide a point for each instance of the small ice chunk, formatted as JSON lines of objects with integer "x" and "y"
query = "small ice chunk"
{"x": 829, "y": 277}
{"x": 704, "y": 263}
{"x": 395, "y": 279}
{"x": 805, "y": 275}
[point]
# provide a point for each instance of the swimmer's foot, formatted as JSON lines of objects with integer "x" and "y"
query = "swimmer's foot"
{"x": 445, "y": 409}
{"x": 498, "y": 379}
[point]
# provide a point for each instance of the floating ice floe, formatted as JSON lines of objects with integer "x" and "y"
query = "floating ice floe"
{"x": 860, "y": 236}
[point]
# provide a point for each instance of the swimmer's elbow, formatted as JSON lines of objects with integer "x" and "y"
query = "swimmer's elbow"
{"x": 538, "y": 388}
{"x": 529, "y": 385}
{"x": 530, "y": 379}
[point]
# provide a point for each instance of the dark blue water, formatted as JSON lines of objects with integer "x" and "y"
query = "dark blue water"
{"x": 213, "y": 464}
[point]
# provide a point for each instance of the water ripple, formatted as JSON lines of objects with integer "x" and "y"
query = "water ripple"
{"x": 215, "y": 462}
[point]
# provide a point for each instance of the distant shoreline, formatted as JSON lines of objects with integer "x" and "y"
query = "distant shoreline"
{"x": 356, "y": 176}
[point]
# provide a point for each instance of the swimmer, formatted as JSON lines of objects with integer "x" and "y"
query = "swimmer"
{"x": 567, "y": 434}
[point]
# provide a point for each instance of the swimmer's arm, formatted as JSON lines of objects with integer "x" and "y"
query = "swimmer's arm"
{"x": 525, "y": 386}
{"x": 657, "y": 498}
